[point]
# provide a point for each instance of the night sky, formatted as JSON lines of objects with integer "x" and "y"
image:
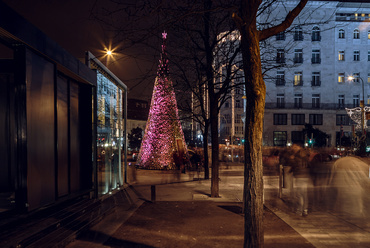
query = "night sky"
{"x": 71, "y": 25}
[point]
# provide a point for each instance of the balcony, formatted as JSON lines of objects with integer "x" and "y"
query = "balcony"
{"x": 324, "y": 106}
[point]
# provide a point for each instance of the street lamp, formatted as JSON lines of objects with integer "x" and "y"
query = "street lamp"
{"x": 362, "y": 105}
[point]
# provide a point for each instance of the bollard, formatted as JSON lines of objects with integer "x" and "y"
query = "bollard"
{"x": 152, "y": 190}
{"x": 281, "y": 181}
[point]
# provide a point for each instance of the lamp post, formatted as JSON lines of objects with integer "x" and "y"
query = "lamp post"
{"x": 362, "y": 105}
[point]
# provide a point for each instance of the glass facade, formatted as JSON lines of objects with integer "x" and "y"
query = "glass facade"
{"x": 110, "y": 131}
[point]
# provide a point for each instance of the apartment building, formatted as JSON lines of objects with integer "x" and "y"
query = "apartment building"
{"x": 307, "y": 71}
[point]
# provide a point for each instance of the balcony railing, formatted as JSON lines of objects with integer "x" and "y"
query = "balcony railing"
{"x": 291, "y": 105}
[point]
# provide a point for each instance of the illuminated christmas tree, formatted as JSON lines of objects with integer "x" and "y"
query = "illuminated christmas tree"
{"x": 163, "y": 141}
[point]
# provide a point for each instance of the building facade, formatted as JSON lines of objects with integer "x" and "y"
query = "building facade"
{"x": 313, "y": 64}
{"x": 307, "y": 72}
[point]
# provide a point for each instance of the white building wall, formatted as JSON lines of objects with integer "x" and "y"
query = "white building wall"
{"x": 323, "y": 15}
{"x": 329, "y": 68}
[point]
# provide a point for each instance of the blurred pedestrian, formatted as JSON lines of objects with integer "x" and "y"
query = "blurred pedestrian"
{"x": 296, "y": 177}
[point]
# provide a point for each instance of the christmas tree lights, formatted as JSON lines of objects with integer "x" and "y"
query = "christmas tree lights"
{"x": 163, "y": 139}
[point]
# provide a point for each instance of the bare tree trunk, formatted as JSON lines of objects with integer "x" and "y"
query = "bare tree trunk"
{"x": 256, "y": 92}
{"x": 215, "y": 150}
{"x": 206, "y": 155}
{"x": 253, "y": 171}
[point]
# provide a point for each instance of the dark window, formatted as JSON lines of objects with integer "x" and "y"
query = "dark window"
{"x": 298, "y": 100}
{"x": 227, "y": 118}
{"x": 356, "y": 34}
{"x": 316, "y": 34}
{"x": 280, "y": 101}
{"x": 280, "y": 119}
{"x": 297, "y": 137}
{"x": 280, "y": 57}
{"x": 298, "y": 119}
{"x": 298, "y": 33}
{"x": 356, "y": 55}
{"x": 316, "y": 119}
{"x": 280, "y": 138}
{"x": 315, "y": 100}
{"x": 298, "y": 56}
{"x": 316, "y": 56}
{"x": 341, "y": 34}
{"x": 280, "y": 78}
{"x": 280, "y": 36}
{"x": 316, "y": 79}
{"x": 341, "y": 101}
{"x": 356, "y": 101}
{"x": 343, "y": 120}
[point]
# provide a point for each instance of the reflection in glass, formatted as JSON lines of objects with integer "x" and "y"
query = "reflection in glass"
{"x": 109, "y": 133}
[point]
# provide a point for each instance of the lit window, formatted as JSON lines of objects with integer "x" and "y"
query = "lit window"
{"x": 341, "y": 56}
{"x": 368, "y": 77}
{"x": 368, "y": 35}
{"x": 298, "y": 79}
{"x": 280, "y": 138}
{"x": 340, "y": 77}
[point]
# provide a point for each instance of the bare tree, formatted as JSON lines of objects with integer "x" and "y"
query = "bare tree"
{"x": 251, "y": 36}
{"x": 197, "y": 26}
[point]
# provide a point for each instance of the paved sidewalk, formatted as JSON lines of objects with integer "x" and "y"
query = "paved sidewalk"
{"x": 149, "y": 221}
{"x": 322, "y": 228}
